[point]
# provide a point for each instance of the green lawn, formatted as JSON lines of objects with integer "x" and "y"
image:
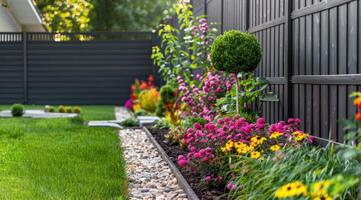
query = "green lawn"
{"x": 60, "y": 158}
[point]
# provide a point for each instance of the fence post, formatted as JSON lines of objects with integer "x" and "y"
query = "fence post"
{"x": 222, "y": 17}
{"x": 288, "y": 48}
{"x": 25, "y": 63}
{"x": 248, "y": 13}
{"x": 205, "y": 7}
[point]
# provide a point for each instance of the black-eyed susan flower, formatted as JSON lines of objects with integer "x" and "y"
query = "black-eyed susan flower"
{"x": 294, "y": 189}
{"x": 255, "y": 154}
{"x": 275, "y": 135}
{"x": 299, "y": 136}
{"x": 257, "y": 140}
{"x": 319, "y": 189}
{"x": 275, "y": 148}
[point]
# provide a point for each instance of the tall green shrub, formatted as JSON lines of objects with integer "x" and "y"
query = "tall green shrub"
{"x": 235, "y": 52}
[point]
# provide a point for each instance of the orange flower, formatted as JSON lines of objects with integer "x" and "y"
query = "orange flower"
{"x": 357, "y": 102}
{"x": 358, "y": 116}
{"x": 143, "y": 86}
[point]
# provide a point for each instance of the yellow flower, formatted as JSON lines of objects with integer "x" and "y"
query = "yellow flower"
{"x": 322, "y": 197}
{"x": 275, "y": 135}
{"x": 299, "y": 136}
{"x": 228, "y": 146}
{"x": 255, "y": 154}
{"x": 291, "y": 190}
{"x": 257, "y": 140}
{"x": 243, "y": 148}
{"x": 275, "y": 148}
{"x": 136, "y": 107}
{"x": 320, "y": 188}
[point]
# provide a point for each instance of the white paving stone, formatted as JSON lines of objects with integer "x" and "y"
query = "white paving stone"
{"x": 148, "y": 175}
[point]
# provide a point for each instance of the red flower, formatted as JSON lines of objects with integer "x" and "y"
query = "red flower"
{"x": 358, "y": 116}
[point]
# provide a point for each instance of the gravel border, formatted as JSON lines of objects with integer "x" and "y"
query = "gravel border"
{"x": 149, "y": 175}
{"x": 181, "y": 180}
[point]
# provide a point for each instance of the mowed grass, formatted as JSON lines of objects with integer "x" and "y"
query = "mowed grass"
{"x": 60, "y": 158}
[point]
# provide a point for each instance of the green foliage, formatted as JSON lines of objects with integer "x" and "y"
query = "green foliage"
{"x": 235, "y": 52}
{"x": 68, "y": 109}
{"x": 61, "y": 109}
{"x": 253, "y": 89}
{"x": 190, "y": 121}
{"x": 161, "y": 124}
{"x": 182, "y": 49}
{"x": 66, "y": 15}
{"x": 259, "y": 179}
{"x": 167, "y": 97}
{"x": 77, "y": 120}
{"x": 127, "y": 15}
{"x": 77, "y": 110}
{"x": 17, "y": 110}
{"x": 167, "y": 94}
{"x": 142, "y": 112}
{"x": 130, "y": 122}
{"x": 49, "y": 109}
{"x": 160, "y": 109}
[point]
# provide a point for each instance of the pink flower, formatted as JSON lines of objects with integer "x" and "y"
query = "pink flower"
{"x": 197, "y": 126}
{"x": 231, "y": 186}
{"x": 182, "y": 163}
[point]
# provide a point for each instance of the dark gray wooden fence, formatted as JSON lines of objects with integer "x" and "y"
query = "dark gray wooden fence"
{"x": 77, "y": 68}
{"x": 311, "y": 55}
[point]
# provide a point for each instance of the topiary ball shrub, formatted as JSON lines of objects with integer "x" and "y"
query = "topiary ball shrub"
{"x": 61, "y": 109}
{"x": 68, "y": 109}
{"x": 167, "y": 94}
{"x": 17, "y": 110}
{"x": 236, "y": 51}
{"x": 49, "y": 109}
{"x": 77, "y": 110}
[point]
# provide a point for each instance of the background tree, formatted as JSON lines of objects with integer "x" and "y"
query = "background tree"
{"x": 102, "y": 15}
{"x": 66, "y": 15}
{"x": 128, "y": 15}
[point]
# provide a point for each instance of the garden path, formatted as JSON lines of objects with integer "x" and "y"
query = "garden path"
{"x": 148, "y": 174}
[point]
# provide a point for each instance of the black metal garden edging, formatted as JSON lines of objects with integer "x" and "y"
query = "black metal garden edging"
{"x": 181, "y": 180}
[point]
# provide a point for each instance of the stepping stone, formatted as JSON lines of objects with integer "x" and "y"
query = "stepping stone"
{"x": 104, "y": 124}
{"x": 39, "y": 114}
{"x": 144, "y": 120}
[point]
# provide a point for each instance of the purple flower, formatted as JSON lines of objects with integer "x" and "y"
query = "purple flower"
{"x": 128, "y": 104}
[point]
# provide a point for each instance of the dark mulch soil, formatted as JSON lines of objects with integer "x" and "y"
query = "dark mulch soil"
{"x": 193, "y": 179}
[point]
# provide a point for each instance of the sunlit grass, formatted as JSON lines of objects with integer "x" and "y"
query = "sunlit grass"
{"x": 60, "y": 159}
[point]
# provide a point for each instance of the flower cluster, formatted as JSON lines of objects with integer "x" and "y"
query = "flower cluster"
{"x": 207, "y": 144}
{"x": 319, "y": 190}
{"x": 294, "y": 189}
{"x": 264, "y": 142}
{"x": 357, "y": 102}
{"x": 136, "y": 89}
{"x": 201, "y": 102}
{"x": 201, "y": 29}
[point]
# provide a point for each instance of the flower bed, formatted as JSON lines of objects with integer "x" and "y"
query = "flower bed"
{"x": 212, "y": 128}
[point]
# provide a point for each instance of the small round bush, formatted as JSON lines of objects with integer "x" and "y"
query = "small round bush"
{"x": 61, "y": 109}
{"x": 236, "y": 51}
{"x": 167, "y": 94}
{"x": 17, "y": 110}
{"x": 77, "y": 109}
{"x": 68, "y": 109}
{"x": 49, "y": 109}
